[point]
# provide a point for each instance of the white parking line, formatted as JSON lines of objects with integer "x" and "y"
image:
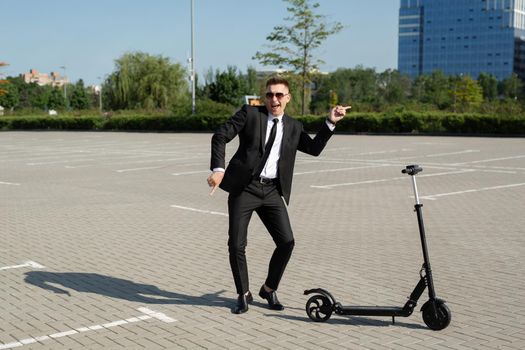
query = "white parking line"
{"x": 453, "y": 153}
{"x": 158, "y": 315}
{"x": 9, "y": 183}
{"x": 146, "y": 314}
{"x": 341, "y": 169}
{"x": 199, "y": 210}
{"x": 139, "y": 169}
{"x": 490, "y": 160}
{"x": 328, "y": 187}
{"x": 435, "y": 196}
{"x": 366, "y": 153}
{"x": 432, "y": 155}
{"x": 499, "y": 171}
{"x": 60, "y": 162}
{"x": 161, "y": 160}
{"x": 32, "y": 264}
{"x": 498, "y": 167}
{"x": 191, "y": 172}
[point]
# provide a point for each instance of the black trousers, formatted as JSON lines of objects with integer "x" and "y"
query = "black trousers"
{"x": 266, "y": 201}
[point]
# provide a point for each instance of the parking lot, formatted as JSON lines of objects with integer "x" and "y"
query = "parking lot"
{"x": 111, "y": 241}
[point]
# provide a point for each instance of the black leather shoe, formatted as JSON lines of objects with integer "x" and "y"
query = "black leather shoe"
{"x": 242, "y": 303}
{"x": 271, "y": 298}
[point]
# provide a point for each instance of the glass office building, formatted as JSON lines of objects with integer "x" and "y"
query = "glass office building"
{"x": 462, "y": 37}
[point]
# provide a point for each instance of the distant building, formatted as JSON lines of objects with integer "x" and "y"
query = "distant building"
{"x": 462, "y": 37}
{"x": 253, "y": 100}
{"x": 53, "y": 79}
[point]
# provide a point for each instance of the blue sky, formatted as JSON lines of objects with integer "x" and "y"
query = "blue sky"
{"x": 87, "y": 36}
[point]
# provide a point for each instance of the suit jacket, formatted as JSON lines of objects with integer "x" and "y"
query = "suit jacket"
{"x": 250, "y": 124}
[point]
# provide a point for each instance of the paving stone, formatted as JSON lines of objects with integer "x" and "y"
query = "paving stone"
{"x": 117, "y": 231}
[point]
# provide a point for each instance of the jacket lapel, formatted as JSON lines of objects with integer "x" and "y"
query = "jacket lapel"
{"x": 286, "y": 133}
{"x": 263, "y": 120}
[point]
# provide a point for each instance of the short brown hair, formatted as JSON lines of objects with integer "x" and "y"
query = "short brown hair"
{"x": 276, "y": 81}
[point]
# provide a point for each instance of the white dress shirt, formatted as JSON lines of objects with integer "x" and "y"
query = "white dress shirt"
{"x": 270, "y": 168}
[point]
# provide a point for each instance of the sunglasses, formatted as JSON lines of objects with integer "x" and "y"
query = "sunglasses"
{"x": 279, "y": 95}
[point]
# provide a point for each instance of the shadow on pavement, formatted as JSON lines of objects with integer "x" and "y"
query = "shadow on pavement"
{"x": 119, "y": 288}
{"x": 356, "y": 321}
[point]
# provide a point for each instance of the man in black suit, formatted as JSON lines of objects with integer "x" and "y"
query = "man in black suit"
{"x": 259, "y": 178}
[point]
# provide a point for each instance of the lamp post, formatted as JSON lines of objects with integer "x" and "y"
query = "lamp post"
{"x": 100, "y": 95}
{"x": 65, "y": 86}
{"x": 192, "y": 62}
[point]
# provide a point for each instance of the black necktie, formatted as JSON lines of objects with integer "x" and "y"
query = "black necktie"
{"x": 267, "y": 148}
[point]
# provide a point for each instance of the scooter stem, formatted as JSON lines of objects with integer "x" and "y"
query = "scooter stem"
{"x": 413, "y": 170}
{"x": 414, "y": 186}
{"x": 426, "y": 259}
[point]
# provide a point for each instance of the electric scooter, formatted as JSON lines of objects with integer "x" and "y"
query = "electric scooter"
{"x": 436, "y": 314}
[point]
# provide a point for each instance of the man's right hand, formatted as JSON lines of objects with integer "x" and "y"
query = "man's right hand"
{"x": 214, "y": 180}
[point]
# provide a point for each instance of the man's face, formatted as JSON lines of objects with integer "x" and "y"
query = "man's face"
{"x": 277, "y": 97}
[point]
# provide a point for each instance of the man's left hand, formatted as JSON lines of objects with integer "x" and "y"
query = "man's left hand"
{"x": 337, "y": 113}
{"x": 214, "y": 180}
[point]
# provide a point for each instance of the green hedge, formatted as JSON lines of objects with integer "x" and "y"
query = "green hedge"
{"x": 355, "y": 122}
{"x": 50, "y": 123}
{"x": 425, "y": 123}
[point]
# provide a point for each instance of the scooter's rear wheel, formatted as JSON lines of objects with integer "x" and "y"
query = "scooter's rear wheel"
{"x": 436, "y": 315}
{"x": 319, "y": 308}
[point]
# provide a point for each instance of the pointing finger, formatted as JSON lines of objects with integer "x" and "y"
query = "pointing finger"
{"x": 213, "y": 190}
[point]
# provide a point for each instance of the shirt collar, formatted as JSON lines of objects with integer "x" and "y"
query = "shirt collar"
{"x": 271, "y": 117}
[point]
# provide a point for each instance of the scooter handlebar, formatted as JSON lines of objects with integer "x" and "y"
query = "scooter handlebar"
{"x": 412, "y": 169}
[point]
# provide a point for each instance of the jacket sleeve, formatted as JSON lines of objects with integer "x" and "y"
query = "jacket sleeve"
{"x": 314, "y": 146}
{"x": 224, "y": 134}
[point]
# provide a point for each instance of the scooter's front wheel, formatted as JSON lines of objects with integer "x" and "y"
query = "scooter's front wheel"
{"x": 319, "y": 308}
{"x": 436, "y": 315}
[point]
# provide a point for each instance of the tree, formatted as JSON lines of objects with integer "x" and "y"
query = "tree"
{"x": 3, "y": 82}
{"x": 32, "y": 95}
{"x": 144, "y": 81}
{"x": 40, "y": 96}
{"x": 10, "y": 98}
{"x": 292, "y": 46}
{"x": 466, "y": 93}
{"x": 333, "y": 98}
{"x": 56, "y": 99}
{"x": 433, "y": 89}
{"x": 8, "y": 92}
{"x": 78, "y": 98}
{"x": 511, "y": 87}
{"x": 228, "y": 87}
{"x": 356, "y": 86}
{"x": 394, "y": 86}
{"x": 489, "y": 85}
{"x": 252, "y": 87}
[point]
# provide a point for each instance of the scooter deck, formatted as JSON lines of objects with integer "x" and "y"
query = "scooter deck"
{"x": 372, "y": 311}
